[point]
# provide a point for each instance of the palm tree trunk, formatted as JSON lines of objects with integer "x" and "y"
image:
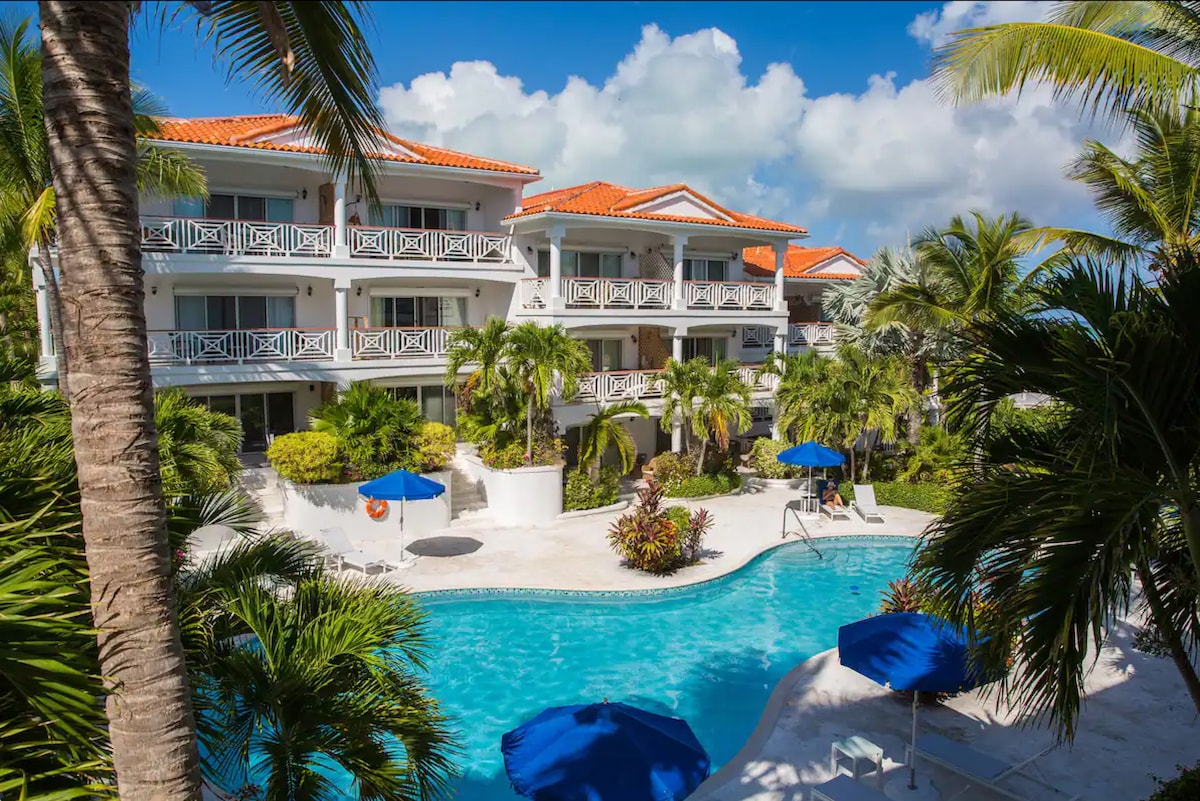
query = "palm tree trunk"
{"x": 54, "y": 301}
{"x": 866, "y": 460}
{"x": 89, "y": 126}
{"x": 1162, "y": 621}
{"x": 529, "y": 429}
{"x": 851, "y": 463}
{"x": 700, "y": 461}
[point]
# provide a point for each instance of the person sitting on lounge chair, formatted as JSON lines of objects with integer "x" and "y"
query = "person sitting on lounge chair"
{"x": 830, "y": 497}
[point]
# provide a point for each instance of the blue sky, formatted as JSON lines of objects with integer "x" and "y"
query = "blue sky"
{"x": 815, "y": 113}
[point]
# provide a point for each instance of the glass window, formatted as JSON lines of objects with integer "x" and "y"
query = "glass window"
{"x": 610, "y": 265}
{"x": 225, "y": 404}
{"x": 281, "y": 413}
{"x": 711, "y": 349}
{"x": 253, "y": 414}
{"x": 281, "y": 312}
{"x": 569, "y": 263}
{"x": 189, "y": 207}
{"x": 222, "y": 312}
{"x": 221, "y": 207}
{"x": 705, "y": 270}
{"x": 280, "y": 209}
{"x": 456, "y": 219}
{"x": 543, "y": 264}
{"x": 409, "y": 393}
{"x": 190, "y": 313}
{"x": 251, "y": 208}
{"x": 252, "y": 312}
{"x": 606, "y": 354}
{"x": 452, "y": 312}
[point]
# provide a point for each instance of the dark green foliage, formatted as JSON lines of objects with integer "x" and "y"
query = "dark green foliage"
{"x": 512, "y": 456}
{"x": 701, "y": 486}
{"x": 584, "y": 492}
{"x": 931, "y": 498}
{"x": 374, "y": 430}
{"x": 762, "y": 458}
{"x": 1184, "y": 787}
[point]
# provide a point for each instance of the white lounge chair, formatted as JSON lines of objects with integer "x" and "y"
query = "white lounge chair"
{"x": 844, "y": 788}
{"x": 835, "y": 512}
{"x": 345, "y": 555}
{"x": 864, "y": 503}
{"x": 984, "y": 770}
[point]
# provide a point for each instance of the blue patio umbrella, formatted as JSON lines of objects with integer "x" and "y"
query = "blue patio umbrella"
{"x": 604, "y": 752}
{"x": 912, "y": 652}
{"x": 401, "y": 485}
{"x": 811, "y": 454}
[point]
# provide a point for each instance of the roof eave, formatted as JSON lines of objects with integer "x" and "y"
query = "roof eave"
{"x": 654, "y": 225}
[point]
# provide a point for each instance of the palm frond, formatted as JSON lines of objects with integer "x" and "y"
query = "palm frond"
{"x": 168, "y": 173}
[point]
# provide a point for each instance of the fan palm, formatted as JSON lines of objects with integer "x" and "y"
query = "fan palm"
{"x": 374, "y": 428}
{"x": 482, "y": 347}
{"x": 544, "y": 358}
{"x": 1105, "y": 57}
{"x": 27, "y": 202}
{"x": 310, "y": 59}
{"x": 680, "y": 383}
{"x": 1050, "y": 533}
{"x": 604, "y": 429}
{"x": 197, "y": 448}
{"x": 722, "y": 404}
{"x": 1151, "y": 201}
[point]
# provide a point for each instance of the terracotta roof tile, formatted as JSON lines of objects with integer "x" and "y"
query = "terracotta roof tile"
{"x": 800, "y": 262}
{"x": 610, "y": 200}
{"x": 247, "y": 130}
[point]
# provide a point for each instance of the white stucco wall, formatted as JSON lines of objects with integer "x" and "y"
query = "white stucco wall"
{"x": 309, "y": 508}
{"x": 530, "y": 496}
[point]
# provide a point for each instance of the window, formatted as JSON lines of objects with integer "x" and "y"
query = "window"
{"x": 436, "y": 402}
{"x": 711, "y": 349}
{"x": 226, "y": 312}
{"x": 606, "y": 354}
{"x": 262, "y": 415}
{"x": 705, "y": 270}
{"x": 582, "y": 265}
{"x": 237, "y": 207}
{"x": 426, "y": 218}
{"x": 409, "y": 312}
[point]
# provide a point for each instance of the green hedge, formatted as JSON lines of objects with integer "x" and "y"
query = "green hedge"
{"x": 931, "y": 498}
{"x": 582, "y": 492}
{"x": 763, "y": 459}
{"x": 700, "y": 486}
{"x": 307, "y": 457}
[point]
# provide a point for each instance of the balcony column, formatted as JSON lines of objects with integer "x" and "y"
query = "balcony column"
{"x": 341, "y": 250}
{"x": 781, "y": 339}
{"x": 676, "y": 428}
{"x": 677, "y": 263}
{"x": 780, "y": 263}
{"x": 555, "y": 299}
{"x": 43, "y": 318}
{"x": 341, "y": 292}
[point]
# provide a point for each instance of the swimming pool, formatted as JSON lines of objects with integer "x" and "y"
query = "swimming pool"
{"x": 710, "y": 654}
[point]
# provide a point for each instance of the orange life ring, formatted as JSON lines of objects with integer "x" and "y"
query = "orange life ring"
{"x": 376, "y": 508}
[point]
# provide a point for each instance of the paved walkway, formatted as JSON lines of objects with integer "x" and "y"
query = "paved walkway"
{"x": 575, "y": 554}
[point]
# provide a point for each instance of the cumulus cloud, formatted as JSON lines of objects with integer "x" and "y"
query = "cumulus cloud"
{"x": 872, "y": 164}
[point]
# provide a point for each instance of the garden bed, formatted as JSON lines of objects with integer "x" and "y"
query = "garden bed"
{"x": 600, "y": 510}
{"x": 524, "y": 496}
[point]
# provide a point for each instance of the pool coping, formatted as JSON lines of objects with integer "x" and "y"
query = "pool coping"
{"x": 651, "y": 591}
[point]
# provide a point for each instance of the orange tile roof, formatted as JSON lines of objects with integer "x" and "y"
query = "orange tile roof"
{"x": 798, "y": 263}
{"x": 609, "y": 200}
{"x": 247, "y": 130}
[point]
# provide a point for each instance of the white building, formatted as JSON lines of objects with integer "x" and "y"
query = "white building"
{"x": 285, "y": 284}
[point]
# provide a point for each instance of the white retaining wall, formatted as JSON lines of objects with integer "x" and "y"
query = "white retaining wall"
{"x": 308, "y": 508}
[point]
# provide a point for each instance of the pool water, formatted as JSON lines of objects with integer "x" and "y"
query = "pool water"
{"x": 710, "y": 654}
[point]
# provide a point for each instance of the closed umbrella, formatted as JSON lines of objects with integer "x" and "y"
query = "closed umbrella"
{"x": 604, "y": 752}
{"x": 401, "y": 485}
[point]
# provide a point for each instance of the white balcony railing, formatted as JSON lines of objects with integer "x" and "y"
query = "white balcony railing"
{"x": 618, "y": 385}
{"x": 729, "y": 295}
{"x": 235, "y": 237}
{"x": 623, "y": 293}
{"x": 420, "y": 245}
{"x": 399, "y": 343}
{"x": 759, "y": 383}
{"x": 238, "y": 346}
{"x": 535, "y": 293}
{"x": 811, "y": 334}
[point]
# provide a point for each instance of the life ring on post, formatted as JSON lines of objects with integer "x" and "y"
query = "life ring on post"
{"x": 376, "y": 508}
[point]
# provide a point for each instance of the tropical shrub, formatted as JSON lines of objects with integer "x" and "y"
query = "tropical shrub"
{"x": 1184, "y": 787}
{"x": 938, "y": 457}
{"x": 433, "y": 446}
{"x": 671, "y": 468}
{"x": 701, "y": 486}
{"x": 307, "y": 457}
{"x": 902, "y": 595}
{"x": 691, "y": 543}
{"x": 374, "y": 429}
{"x": 197, "y": 447}
{"x": 762, "y": 457}
{"x": 584, "y": 492}
{"x": 656, "y": 539}
{"x": 512, "y": 455}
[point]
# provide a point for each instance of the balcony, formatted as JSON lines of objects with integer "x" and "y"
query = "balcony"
{"x": 399, "y": 343}
{"x": 195, "y": 235}
{"x": 648, "y": 293}
{"x": 808, "y": 334}
{"x": 624, "y": 385}
{"x": 293, "y": 345}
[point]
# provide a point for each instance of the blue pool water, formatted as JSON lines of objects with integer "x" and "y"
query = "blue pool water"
{"x": 709, "y": 654}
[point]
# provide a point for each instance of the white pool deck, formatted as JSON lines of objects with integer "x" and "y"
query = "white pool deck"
{"x": 1137, "y": 721}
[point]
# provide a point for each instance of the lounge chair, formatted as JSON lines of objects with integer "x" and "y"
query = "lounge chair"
{"x": 984, "y": 770}
{"x": 344, "y": 555}
{"x": 864, "y": 503}
{"x": 844, "y": 788}
{"x": 835, "y": 513}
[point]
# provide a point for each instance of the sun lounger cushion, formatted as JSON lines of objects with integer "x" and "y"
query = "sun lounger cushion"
{"x": 966, "y": 759}
{"x": 844, "y": 788}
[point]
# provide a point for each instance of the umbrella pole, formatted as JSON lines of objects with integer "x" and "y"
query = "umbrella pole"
{"x": 912, "y": 751}
{"x": 402, "y": 556}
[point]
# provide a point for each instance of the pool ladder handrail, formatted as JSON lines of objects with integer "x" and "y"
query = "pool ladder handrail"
{"x": 805, "y": 537}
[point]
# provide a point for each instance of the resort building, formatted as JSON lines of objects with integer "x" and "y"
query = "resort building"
{"x": 286, "y": 283}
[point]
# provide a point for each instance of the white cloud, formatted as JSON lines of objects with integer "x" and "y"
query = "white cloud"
{"x": 681, "y": 109}
{"x": 935, "y": 27}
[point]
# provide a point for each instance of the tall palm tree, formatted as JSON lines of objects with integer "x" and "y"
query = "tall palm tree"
{"x": 874, "y": 393}
{"x": 198, "y": 448}
{"x": 1104, "y": 57}
{"x": 722, "y": 404}
{"x": 801, "y": 395}
{"x": 603, "y": 429}
{"x": 312, "y": 688}
{"x": 680, "y": 383}
{"x": 1056, "y": 523}
{"x": 27, "y": 201}
{"x": 312, "y": 60}
{"x": 482, "y": 347}
{"x": 374, "y": 428}
{"x": 1151, "y": 201}
{"x": 545, "y": 358}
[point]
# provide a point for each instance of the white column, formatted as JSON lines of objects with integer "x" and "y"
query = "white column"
{"x": 781, "y": 339}
{"x": 676, "y": 429}
{"x": 43, "y": 318}
{"x": 341, "y": 250}
{"x": 780, "y": 263}
{"x": 680, "y": 241}
{"x": 677, "y": 347}
{"x": 342, "y": 310}
{"x": 555, "y": 294}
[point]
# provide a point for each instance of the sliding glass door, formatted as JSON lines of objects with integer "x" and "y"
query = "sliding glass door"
{"x": 263, "y": 415}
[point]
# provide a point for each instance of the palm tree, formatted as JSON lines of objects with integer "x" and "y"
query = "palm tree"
{"x": 873, "y": 393}
{"x": 1150, "y": 201}
{"x": 722, "y": 403}
{"x": 326, "y": 75}
{"x": 198, "y": 448}
{"x": 374, "y": 428}
{"x": 1104, "y": 57}
{"x": 1053, "y": 528}
{"x": 603, "y": 429}
{"x": 312, "y": 689}
{"x": 482, "y": 347}
{"x": 27, "y": 200}
{"x": 680, "y": 383}
{"x": 543, "y": 357}
{"x": 802, "y": 378}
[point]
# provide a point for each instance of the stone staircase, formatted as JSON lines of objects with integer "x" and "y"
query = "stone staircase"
{"x": 262, "y": 484}
{"x": 466, "y": 496}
